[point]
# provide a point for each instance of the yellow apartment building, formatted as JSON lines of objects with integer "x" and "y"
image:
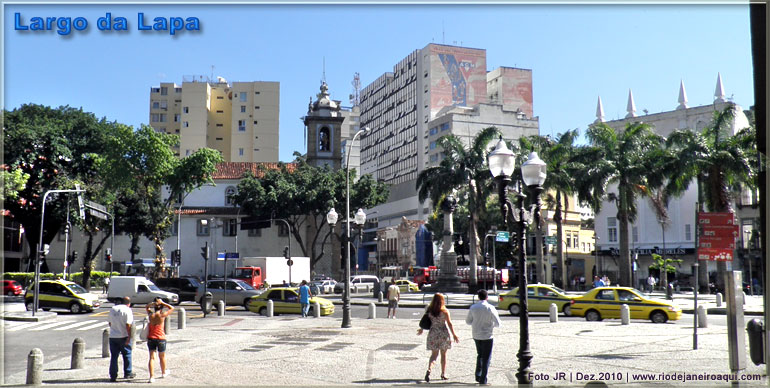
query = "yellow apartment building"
{"x": 239, "y": 119}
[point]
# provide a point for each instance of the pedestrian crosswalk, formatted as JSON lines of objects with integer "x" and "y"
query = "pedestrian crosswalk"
{"x": 92, "y": 324}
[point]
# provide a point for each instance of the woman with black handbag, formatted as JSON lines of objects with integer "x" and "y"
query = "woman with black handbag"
{"x": 438, "y": 335}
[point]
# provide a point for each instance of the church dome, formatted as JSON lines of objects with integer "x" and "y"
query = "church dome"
{"x": 323, "y": 101}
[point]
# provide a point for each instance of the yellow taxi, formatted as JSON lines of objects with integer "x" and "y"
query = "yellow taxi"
{"x": 286, "y": 301}
{"x": 605, "y": 302}
{"x": 405, "y": 285}
{"x": 539, "y": 299}
{"x": 61, "y": 294}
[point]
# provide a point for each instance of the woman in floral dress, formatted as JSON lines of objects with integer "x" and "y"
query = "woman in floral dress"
{"x": 438, "y": 336}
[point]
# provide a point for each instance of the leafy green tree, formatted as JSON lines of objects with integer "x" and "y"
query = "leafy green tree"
{"x": 626, "y": 159}
{"x": 665, "y": 266}
{"x": 139, "y": 164}
{"x": 719, "y": 161}
{"x": 565, "y": 165}
{"x": 462, "y": 167}
{"x": 54, "y": 148}
{"x": 13, "y": 182}
{"x": 302, "y": 194}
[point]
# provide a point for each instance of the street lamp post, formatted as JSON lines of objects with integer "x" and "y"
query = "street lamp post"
{"x": 533, "y": 171}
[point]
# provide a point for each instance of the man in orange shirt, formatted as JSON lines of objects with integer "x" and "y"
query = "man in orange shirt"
{"x": 156, "y": 337}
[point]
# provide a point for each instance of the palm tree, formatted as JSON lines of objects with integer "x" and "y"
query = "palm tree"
{"x": 720, "y": 160}
{"x": 564, "y": 161}
{"x": 461, "y": 167}
{"x": 627, "y": 159}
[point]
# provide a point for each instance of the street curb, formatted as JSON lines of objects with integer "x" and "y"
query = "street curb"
{"x": 26, "y": 316}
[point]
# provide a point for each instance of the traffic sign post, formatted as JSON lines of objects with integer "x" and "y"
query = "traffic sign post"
{"x": 717, "y": 234}
{"x": 550, "y": 240}
{"x": 502, "y": 236}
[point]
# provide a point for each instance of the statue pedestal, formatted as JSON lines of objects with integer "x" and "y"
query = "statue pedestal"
{"x": 448, "y": 281}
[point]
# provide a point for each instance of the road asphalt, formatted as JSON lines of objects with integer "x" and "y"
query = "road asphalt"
{"x": 287, "y": 350}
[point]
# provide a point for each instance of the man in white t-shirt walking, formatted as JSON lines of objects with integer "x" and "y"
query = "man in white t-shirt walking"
{"x": 483, "y": 319}
{"x": 394, "y": 295}
{"x": 121, "y": 318}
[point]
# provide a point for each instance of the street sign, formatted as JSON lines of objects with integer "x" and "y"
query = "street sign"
{"x": 502, "y": 237}
{"x": 97, "y": 210}
{"x": 716, "y": 236}
{"x": 550, "y": 240}
{"x": 227, "y": 255}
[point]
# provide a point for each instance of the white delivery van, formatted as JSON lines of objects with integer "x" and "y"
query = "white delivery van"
{"x": 139, "y": 289}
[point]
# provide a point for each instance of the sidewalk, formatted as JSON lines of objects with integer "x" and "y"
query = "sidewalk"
{"x": 288, "y": 350}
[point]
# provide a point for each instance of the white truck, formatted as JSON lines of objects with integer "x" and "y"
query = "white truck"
{"x": 262, "y": 272}
{"x": 139, "y": 289}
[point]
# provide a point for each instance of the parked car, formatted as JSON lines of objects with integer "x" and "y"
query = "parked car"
{"x": 539, "y": 299}
{"x": 359, "y": 280}
{"x": 286, "y": 301}
{"x": 185, "y": 286}
{"x": 61, "y": 294}
{"x": 238, "y": 292}
{"x": 323, "y": 286}
{"x": 12, "y": 287}
{"x": 605, "y": 302}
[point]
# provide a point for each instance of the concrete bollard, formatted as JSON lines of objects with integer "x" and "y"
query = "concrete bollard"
{"x": 744, "y": 298}
{"x": 78, "y": 354}
{"x": 719, "y": 299}
{"x": 221, "y": 308}
{"x": 317, "y": 310}
{"x": 703, "y": 317}
{"x": 105, "y": 343}
{"x": 372, "y": 311}
{"x": 553, "y": 311}
{"x": 379, "y": 297}
{"x": 167, "y": 325}
{"x": 35, "y": 367}
{"x": 269, "y": 308}
{"x": 181, "y": 319}
{"x": 625, "y": 315}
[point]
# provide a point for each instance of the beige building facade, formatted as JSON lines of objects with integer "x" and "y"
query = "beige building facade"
{"x": 239, "y": 119}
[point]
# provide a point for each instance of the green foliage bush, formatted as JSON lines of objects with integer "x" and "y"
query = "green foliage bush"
{"x": 25, "y": 278}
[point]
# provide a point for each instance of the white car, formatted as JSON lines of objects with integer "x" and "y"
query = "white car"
{"x": 325, "y": 286}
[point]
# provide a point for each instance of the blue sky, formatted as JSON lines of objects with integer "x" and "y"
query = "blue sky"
{"x": 576, "y": 53}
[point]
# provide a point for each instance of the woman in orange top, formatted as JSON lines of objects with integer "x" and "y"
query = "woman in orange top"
{"x": 156, "y": 337}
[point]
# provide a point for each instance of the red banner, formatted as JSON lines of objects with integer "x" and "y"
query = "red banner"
{"x": 717, "y": 234}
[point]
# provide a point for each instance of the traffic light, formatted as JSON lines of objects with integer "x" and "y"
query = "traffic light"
{"x": 74, "y": 256}
{"x": 45, "y": 249}
{"x": 286, "y": 253}
{"x": 176, "y": 257}
{"x": 205, "y": 251}
{"x": 108, "y": 254}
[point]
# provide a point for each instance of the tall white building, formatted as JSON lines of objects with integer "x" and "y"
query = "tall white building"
{"x": 239, "y": 119}
{"x": 403, "y": 106}
{"x": 646, "y": 233}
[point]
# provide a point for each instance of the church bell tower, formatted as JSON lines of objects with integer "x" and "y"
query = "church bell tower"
{"x": 324, "y": 124}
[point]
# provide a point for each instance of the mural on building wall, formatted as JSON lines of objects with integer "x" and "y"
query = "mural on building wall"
{"x": 517, "y": 90}
{"x": 459, "y": 76}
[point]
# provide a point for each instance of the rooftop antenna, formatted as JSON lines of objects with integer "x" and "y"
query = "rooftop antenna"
{"x": 442, "y": 33}
{"x": 355, "y": 98}
{"x": 212, "y": 73}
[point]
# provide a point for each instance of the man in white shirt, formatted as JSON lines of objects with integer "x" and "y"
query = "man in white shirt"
{"x": 120, "y": 319}
{"x": 483, "y": 318}
{"x": 394, "y": 295}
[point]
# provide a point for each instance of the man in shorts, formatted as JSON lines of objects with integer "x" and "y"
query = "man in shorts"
{"x": 394, "y": 295}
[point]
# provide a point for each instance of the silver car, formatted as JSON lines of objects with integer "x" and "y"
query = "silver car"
{"x": 238, "y": 292}
{"x": 323, "y": 286}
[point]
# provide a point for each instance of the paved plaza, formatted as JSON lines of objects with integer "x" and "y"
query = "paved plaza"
{"x": 289, "y": 350}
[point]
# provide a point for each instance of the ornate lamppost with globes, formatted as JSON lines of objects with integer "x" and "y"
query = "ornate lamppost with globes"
{"x": 360, "y": 219}
{"x": 501, "y": 164}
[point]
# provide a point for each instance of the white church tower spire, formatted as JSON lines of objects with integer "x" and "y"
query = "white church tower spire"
{"x": 719, "y": 92}
{"x": 682, "y": 96}
{"x": 599, "y": 111}
{"x": 631, "y": 107}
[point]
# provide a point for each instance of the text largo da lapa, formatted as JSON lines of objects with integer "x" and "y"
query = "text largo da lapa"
{"x": 65, "y": 25}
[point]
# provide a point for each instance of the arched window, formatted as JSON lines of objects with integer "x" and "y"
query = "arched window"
{"x": 229, "y": 193}
{"x": 324, "y": 140}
